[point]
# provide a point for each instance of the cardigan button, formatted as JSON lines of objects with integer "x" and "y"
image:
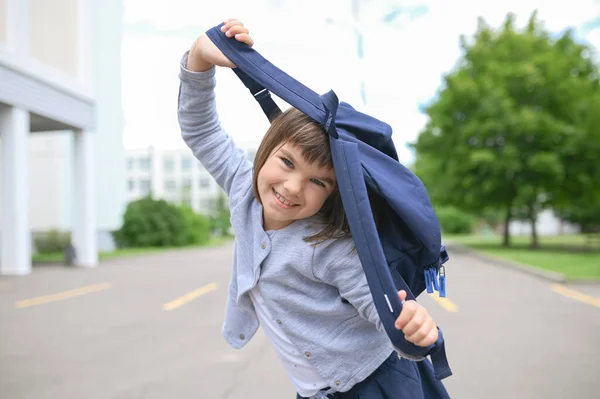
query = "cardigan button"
{"x": 263, "y": 245}
{"x": 307, "y": 354}
{"x": 242, "y": 336}
{"x": 337, "y": 383}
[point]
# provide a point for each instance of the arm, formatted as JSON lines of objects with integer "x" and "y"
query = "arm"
{"x": 203, "y": 134}
{"x": 336, "y": 264}
{"x": 198, "y": 116}
{"x": 340, "y": 267}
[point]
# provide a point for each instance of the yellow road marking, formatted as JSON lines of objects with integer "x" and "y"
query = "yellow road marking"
{"x": 579, "y": 296}
{"x": 190, "y": 296}
{"x": 444, "y": 302}
{"x": 40, "y": 300}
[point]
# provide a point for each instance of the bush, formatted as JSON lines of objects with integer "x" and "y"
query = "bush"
{"x": 454, "y": 221}
{"x": 220, "y": 223}
{"x": 156, "y": 223}
{"x": 52, "y": 241}
{"x": 197, "y": 226}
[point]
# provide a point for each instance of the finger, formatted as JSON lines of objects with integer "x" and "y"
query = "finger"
{"x": 234, "y": 30}
{"x": 429, "y": 339}
{"x": 244, "y": 38}
{"x": 231, "y": 23}
{"x": 402, "y": 295}
{"x": 418, "y": 334}
{"x": 408, "y": 311}
{"x": 415, "y": 324}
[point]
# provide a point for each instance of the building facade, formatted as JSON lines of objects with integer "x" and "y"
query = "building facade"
{"x": 60, "y": 126}
{"x": 174, "y": 175}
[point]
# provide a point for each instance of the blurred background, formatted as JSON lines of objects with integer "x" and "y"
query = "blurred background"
{"x": 496, "y": 107}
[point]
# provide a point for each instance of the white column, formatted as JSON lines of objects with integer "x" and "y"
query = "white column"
{"x": 16, "y": 240}
{"x": 84, "y": 221}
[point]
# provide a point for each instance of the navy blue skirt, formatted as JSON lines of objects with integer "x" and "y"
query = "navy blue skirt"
{"x": 397, "y": 378}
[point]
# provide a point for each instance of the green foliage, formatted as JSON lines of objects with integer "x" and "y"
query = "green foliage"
{"x": 196, "y": 225}
{"x": 220, "y": 223}
{"x": 454, "y": 221}
{"x": 156, "y": 223}
{"x": 516, "y": 124}
{"x": 52, "y": 241}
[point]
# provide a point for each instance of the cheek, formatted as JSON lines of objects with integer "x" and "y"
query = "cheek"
{"x": 318, "y": 196}
{"x": 265, "y": 176}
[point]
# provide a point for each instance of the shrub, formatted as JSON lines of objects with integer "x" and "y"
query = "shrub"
{"x": 220, "y": 222}
{"x": 52, "y": 241}
{"x": 454, "y": 221}
{"x": 156, "y": 223}
{"x": 197, "y": 226}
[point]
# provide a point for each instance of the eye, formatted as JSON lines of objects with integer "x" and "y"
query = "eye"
{"x": 318, "y": 182}
{"x": 287, "y": 162}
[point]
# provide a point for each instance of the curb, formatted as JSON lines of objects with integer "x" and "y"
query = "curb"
{"x": 531, "y": 270}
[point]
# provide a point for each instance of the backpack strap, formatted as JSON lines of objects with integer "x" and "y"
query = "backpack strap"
{"x": 262, "y": 77}
{"x": 260, "y": 74}
{"x": 260, "y": 94}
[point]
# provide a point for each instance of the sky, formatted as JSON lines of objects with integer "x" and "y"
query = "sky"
{"x": 408, "y": 46}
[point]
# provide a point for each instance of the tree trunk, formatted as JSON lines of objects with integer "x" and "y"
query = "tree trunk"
{"x": 534, "y": 236}
{"x": 506, "y": 240}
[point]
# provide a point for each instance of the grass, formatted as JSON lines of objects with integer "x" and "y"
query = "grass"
{"x": 569, "y": 255}
{"x": 58, "y": 257}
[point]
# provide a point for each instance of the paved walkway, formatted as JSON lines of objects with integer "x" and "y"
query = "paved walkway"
{"x": 149, "y": 327}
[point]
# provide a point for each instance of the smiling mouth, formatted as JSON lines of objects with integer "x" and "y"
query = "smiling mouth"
{"x": 283, "y": 200}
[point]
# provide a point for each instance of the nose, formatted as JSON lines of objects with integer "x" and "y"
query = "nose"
{"x": 293, "y": 188}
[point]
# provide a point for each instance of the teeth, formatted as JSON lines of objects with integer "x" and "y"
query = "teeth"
{"x": 283, "y": 199}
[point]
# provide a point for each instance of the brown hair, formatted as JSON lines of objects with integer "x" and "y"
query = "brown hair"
{"x": 299, "y": 130}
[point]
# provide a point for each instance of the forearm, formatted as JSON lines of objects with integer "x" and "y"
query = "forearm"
{"x": 203, "y": 134}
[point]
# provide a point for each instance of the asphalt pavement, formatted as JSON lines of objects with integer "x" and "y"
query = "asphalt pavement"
{"x": 150, "y": 327}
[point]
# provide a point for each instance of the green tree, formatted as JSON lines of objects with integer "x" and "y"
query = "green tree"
{"x": 508, "y": 122}
{"x": 221, "y": 219}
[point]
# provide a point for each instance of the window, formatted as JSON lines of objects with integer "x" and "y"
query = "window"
{"x": 206, "y": 204}
{"x": 145, "y": 163}
{"x": 186, "y": 164}
{"x": 145, "y": 186}
{"x": 130, "y": 163}
{"x": 204, "y": 182}
{"x": 131, "y": 185}
{"x": 170, "y": 186}
{"x": 169, "y": 165}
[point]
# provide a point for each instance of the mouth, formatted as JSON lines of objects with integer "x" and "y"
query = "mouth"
{"x": 283, "y": 201}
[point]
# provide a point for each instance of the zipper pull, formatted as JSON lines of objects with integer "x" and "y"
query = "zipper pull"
{"x": 434, "y": 275}
{"x": 442, "y": 281}
{"x": 428, "y": 281}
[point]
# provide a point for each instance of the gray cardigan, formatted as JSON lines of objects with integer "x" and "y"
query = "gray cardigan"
{"x": 303, "y": 285}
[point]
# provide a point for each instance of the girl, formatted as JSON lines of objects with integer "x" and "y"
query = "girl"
{"x": 294, "y": 271}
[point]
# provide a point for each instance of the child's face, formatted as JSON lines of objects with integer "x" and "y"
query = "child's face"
{"x": 291, "y": 188}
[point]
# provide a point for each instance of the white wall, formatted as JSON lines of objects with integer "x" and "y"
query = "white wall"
{"x": 53, "y": 34}
{"x": 48, "y": 160}
{"x": 547, "y": 224}
{"x": 3, "y": 23}
{"x": 75, "y": 45}
{"x": 108, "y": 146}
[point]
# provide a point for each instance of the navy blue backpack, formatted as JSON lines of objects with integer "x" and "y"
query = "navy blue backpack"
{"x": 403, "y": 251}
